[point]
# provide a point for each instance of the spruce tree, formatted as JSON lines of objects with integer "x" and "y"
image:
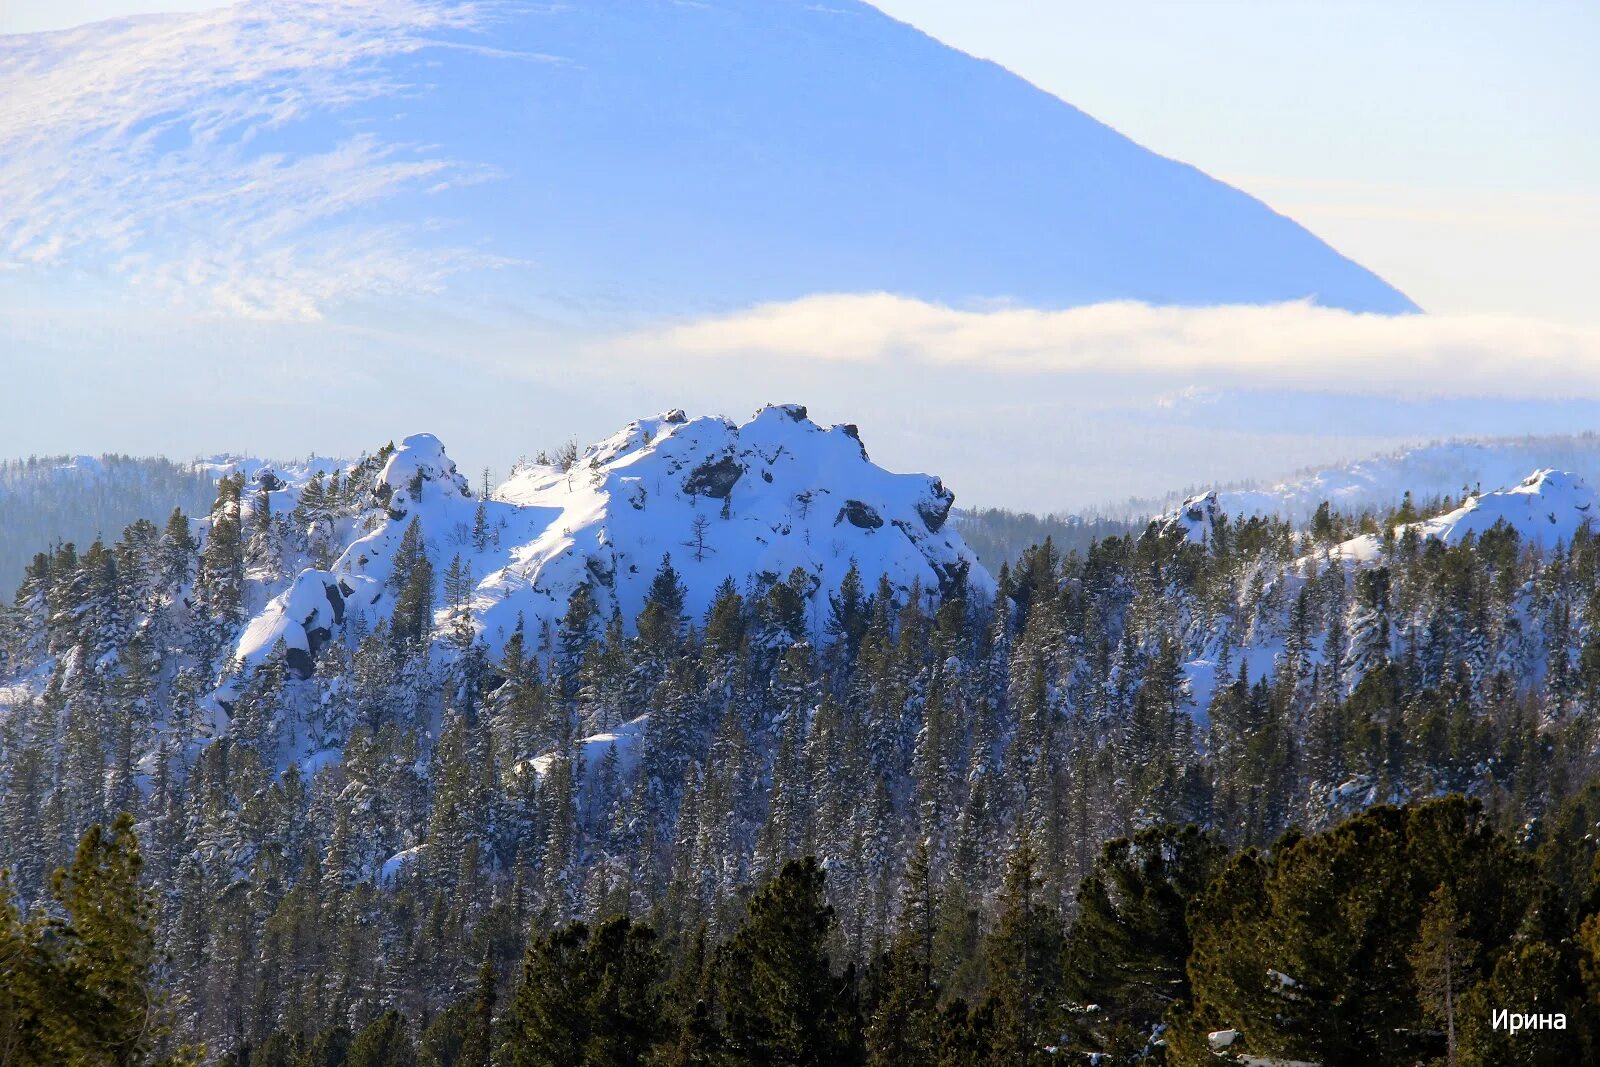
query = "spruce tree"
{"x": 1023, "y": 955}
{"x": 904, "y": 1023}
{"x": 109, "y": 935}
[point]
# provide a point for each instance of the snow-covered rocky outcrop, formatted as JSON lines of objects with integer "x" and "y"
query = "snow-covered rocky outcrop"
{"x": 1196, "y": 517}
{"x": 755, "y": 503}
{"x": 1545, "y": 508}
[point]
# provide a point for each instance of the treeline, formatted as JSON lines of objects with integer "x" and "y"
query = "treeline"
{"x": 1403, "y": 935}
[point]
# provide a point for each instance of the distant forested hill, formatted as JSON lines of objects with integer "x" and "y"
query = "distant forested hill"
{"x": 999, "y": 535}
{"x": 49, "y": 499}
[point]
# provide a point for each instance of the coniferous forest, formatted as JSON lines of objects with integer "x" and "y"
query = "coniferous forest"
{"x": 941, "y": 827}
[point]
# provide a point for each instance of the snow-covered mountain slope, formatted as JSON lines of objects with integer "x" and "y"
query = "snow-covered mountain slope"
{"x": 1379, "y": 483}
{"x": 1547, "y": 508}
{"x": 754, "y": 503}
{"x": 614, "y": 153}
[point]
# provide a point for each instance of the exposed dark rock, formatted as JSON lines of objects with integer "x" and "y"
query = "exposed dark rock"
{"x": 604, "y": 571}
{"x": 850, "y": 430}
{"x": 267, "y": 478}
{"x": 675, "y": 416}
{"x": 934, "y": 512}
{"x": 952, "y": 576}
{"x": 714, "y": 478}
{"x": 862, "y": 516}
{"x": 335, "y": 601}
{"x": 298, "y": 662}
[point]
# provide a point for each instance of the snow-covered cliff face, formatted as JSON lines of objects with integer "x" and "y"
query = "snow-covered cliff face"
{"x": 754, "y": 503}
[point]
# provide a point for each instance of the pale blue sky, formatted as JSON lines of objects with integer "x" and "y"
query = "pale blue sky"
{"x": 1450, "y": 146}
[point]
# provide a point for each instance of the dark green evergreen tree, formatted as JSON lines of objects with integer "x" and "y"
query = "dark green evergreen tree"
{"x": 784, "y": 1003}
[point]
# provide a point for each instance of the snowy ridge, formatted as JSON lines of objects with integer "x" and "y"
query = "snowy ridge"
{"x": 753, "y": 503}
{"x": 293, "y": 473}
{"x": 1546, "y": 508}
{"x": 1453, "y": 468}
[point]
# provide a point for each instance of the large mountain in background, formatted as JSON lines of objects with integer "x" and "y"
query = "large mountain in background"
{"x": 583, "y": 161}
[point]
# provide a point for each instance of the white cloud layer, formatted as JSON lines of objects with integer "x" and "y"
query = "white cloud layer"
{"x": 133, "y": 143}
{"x": 1284, "y": 346}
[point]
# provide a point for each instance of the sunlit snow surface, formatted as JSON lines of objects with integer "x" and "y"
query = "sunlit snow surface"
{"x": 752, "y": 503}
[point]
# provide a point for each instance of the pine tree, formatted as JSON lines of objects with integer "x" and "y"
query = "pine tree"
{"x": 660, "y": 624}
{"x": 384, "y": 1042}
{"x": 109, "y": 933}
{"x": 458, "y": 587}
{"x": 330, "y": 1048}
{"x": 477, "y": 1040}
{"x": 904, "y": 1024}
{"x": 577, "y": 636}
{"x": 412, "y": 580}
{"x": 847, "y": 617}
{"x": 783, "y": 1002}
{"x": 1537, "y": 978}
{"x": 1443, "y": 960}
{"x": 220, "y": 581}
{"x": 37, "y": 1026}
{"x": 1129, "y": 943}
{"x": 480, "y": 526}
{"x": 588, "y": 998}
